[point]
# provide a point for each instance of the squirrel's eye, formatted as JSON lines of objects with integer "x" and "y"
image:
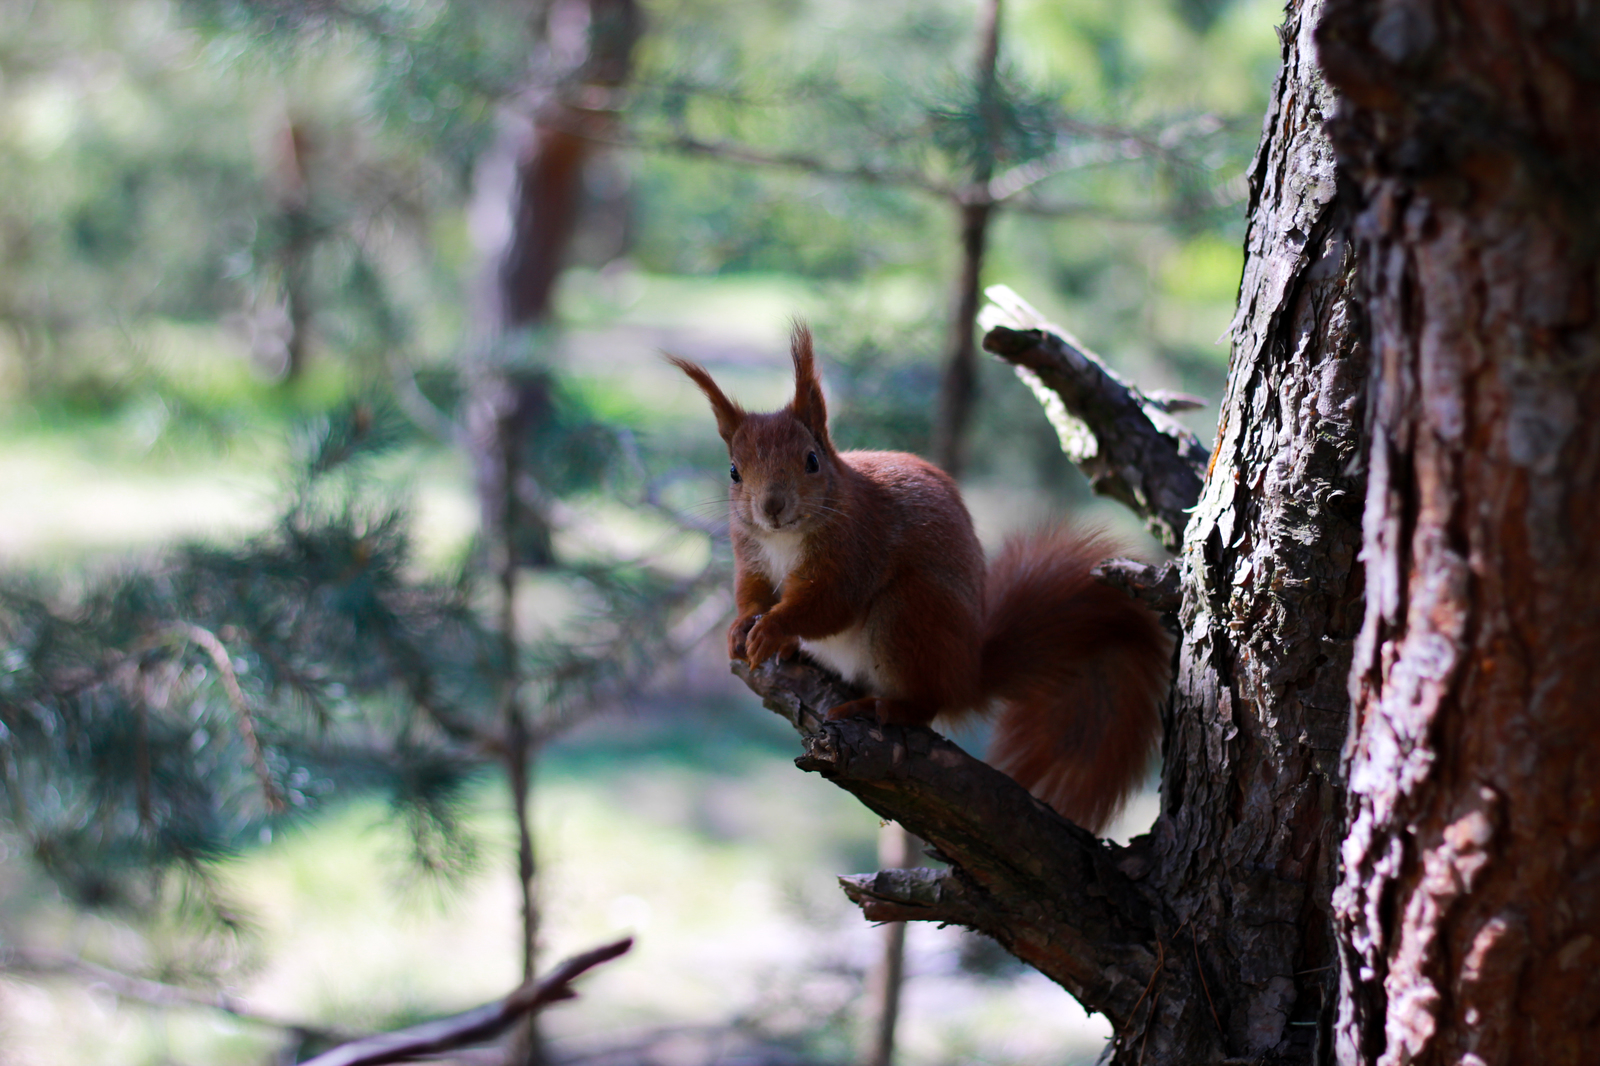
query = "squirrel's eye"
{"x": 733, "y": 472}
{"x": 812, "y": 465}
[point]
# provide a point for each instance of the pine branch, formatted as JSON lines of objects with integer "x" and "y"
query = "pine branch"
{"x": 213, "y": 647}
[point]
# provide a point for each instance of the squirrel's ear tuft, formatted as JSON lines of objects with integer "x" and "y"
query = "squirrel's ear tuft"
{"x": 808, "y": 406}
{"x": 729, "y": 414}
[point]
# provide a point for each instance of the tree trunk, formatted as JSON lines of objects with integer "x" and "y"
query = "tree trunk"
{"x": 1468, "y": 907}
{"x": 568, "y": 127}
{"x": 1251, "y": 785}
{"x": 591, "y": 41}
{"x": 974, "y": 210}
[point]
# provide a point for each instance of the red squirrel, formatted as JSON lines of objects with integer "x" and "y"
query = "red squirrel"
{"x": 868, "y": 562}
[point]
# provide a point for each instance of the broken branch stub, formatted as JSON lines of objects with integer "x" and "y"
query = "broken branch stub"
{"x": 1127, "y": 444}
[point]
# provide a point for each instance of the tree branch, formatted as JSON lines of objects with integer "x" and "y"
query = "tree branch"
{"x": 1157, "y": 587}
{"x": 1126, "y": 443}
{"x": 213, "y": 647}
{"x": 732, "y": 152}
{"x": 1050, "y": 892}
{"x": 473, "y": 1026}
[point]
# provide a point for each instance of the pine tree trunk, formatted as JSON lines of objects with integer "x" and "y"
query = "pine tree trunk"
{"x": 1469, "y": 905}
{"x": 1251, "y": 792}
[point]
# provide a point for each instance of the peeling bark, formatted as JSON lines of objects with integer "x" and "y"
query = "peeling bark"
{"x": 1469, "y": 902}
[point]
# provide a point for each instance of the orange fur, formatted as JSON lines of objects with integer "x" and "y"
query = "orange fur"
{"x": 868, "y": 562}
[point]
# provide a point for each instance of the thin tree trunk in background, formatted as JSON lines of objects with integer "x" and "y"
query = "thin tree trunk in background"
{"x": 525, "y": 1048}
{"x": 514, "y": 726}
{"x": 1469, "y": 906}
{"x": 292, "y": 176}
{"x": 957, "y": 393}
{"x": 569, "y": 127}
{"x": 592, "y": 42}
{"x": 897, "y": 849}
{"x": 958, "y": 388}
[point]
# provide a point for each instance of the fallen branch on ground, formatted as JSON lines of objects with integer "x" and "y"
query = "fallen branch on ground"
{"x": 473, "y": 1026}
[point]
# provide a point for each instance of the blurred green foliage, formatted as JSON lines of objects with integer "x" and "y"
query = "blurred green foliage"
{"x": 159, "y": 162}
{"x": 185, "y": 185}
{"x": 175, "y": 176}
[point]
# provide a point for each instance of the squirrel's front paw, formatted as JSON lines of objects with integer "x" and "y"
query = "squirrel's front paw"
{"x": 765, "y": 641}
{"x": 737, "y": 634}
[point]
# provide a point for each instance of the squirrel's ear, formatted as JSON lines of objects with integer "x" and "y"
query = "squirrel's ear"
{"x": 729, "y": 414}
{"x": 808, "y": 406}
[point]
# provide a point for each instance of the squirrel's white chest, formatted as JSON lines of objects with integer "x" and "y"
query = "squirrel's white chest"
{"x": 777, "y": 554}
{"x": 849, "y": 652}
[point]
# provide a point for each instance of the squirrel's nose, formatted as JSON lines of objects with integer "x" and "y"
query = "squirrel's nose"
{"x": 773, "y": 505}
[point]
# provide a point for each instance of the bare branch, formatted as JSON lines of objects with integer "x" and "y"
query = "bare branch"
{"x": 213, "y": 647}
{"x": 1098, "y": 937}
{"x": 1126, "y": 443}
{"x": 473, "y": 1026}
{"x": 421, "y": 410}
{"x": 810, "y": 164}
{"x": 1155, "y": 586}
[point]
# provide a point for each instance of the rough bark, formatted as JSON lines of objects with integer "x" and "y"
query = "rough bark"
{"x": 1469, "y": 903}
{"x": 1271, "y": 603}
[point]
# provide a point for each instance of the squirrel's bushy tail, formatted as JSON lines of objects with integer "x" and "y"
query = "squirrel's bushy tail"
{"x": 1080, "y": 670}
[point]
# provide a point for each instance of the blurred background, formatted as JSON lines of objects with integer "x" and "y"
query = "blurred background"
{"x": 363, "y": 570}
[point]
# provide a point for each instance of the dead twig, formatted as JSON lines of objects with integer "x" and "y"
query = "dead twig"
{"x": 1123, "y": 440}
{"x": 473, "y": 1026}
{"x": 218, "y": 652}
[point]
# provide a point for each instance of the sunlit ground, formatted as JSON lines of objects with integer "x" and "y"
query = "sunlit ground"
{"x": 687, "y": 827}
